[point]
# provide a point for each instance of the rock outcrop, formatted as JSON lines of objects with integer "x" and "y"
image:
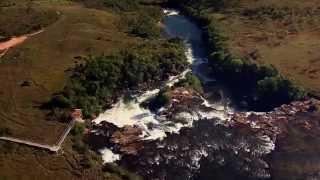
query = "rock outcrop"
{"x": 273, "y": 123}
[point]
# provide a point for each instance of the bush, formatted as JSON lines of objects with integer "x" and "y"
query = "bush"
{"x": 145, "y": 27}
{"x": 122, "y": 5}
{"x": 143, "y": 23}
{"x": 90, "y": 159}
{"x": 59, "y": 101}
{"x": 79, "y": 146}
{"x": 124, "y": 174}
{"x": 60, "y": 114}
{"x": 163, "y": 98}
{"x": 78, "y": 129}
{"x": 191, "y": 81}
{"x": 278, "y": 90}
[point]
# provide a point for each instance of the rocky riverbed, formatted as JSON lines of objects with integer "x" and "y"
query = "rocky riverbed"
{"x": 191, "y": 136}
{"x": 241, "y": 142}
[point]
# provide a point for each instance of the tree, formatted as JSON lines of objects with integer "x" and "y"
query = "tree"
{"x": 277, "y": 90}
{"x": 78, "y": 129}
{"x": 191, "y": 81}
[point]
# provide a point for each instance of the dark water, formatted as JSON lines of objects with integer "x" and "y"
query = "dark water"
{"x": 179, "y": 26}
{"x": 206, "y": 151}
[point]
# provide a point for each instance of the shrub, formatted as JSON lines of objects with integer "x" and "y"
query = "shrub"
{"x": 124, "y": 174}
{"x": 90, "y": 159}
{"x": 145, "y": 27}
{"x": 162, "y": 99}
{"x": 278, "y": 90}
{"x": 122, "y": 5}
{"x": 78, "y": 129}
{"x": 143, "y": 23}
{"x": 191, "y": 81}
{"x": 60, "y": 101}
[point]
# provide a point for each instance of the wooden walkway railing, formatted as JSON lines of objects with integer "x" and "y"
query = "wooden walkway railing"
{"x": 54, "y": 148}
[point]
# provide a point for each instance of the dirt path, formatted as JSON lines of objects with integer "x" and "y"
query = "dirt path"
{"x": 14, "y": 41}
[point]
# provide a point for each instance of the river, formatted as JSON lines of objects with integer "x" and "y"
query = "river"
{"x": 205, "y": 144}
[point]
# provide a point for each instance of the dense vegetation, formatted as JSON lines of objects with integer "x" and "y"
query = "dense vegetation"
{"x": 123, "y": 5}
{"x": 259, "y": 86}
{"x": 143, "y": 25}
{"x": 139, "y": 19}
{"x": 102, "y": 79}
{"x": 191, "y": 81}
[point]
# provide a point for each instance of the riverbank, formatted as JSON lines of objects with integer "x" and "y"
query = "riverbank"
{"x": 254, "y": 85}
{"x": 267, "y": 37}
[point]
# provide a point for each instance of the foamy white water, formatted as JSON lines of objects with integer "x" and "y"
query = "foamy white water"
{"x": 171, "y": 12}
{"x": 108, "y": 156}
{"x": 153, "y": 126}
{"x": 131, "y": 113}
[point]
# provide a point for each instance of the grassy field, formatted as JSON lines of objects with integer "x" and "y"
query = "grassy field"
{"x": 43, "y": 62}
{"x": 279, "y": 32}
{"x": 35, "y": 70}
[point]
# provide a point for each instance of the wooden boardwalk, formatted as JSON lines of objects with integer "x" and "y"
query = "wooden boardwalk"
{"x": 54, "y": 148}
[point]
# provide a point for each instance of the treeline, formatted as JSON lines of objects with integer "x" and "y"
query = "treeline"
{"x": 137, "y": 17}
{"x": 98, "y": 82}
{"x": 259, "y": 87}
{"x": 195, "y": 6}
{"x": 143, "y": 24}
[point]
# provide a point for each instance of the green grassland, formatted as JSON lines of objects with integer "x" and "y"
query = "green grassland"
{"x": 284, "y": 33}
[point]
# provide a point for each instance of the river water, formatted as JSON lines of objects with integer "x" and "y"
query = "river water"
{"x": 205, "y": 146}
{"x": 132, "y": 114}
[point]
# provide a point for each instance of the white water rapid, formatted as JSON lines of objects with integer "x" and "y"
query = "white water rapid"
{"x": 132, "y": 114}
